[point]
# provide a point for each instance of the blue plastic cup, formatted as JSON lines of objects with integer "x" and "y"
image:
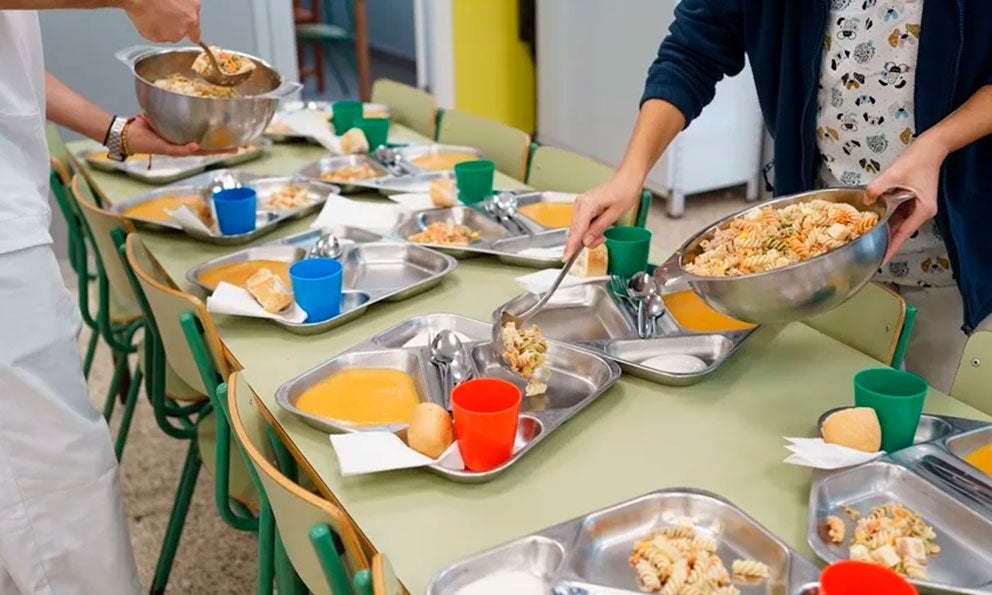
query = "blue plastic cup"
{"x": 235, "y": 209}
{"x": 317, "y": 287}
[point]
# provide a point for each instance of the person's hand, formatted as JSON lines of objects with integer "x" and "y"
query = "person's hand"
{"x": 165, "y": 20}
{"x": 596, "y": 210}
{"x": 141, "y": 138}
{"x": 916, "y": 169}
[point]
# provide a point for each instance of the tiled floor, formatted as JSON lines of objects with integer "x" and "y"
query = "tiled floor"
{"x": 213, "y": 558}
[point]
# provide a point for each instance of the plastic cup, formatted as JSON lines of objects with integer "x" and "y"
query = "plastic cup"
{"x": 317, "y": 287}
{"x": 486, "y": 413}
{"x": 851, "y": 577}
{"x": 897, "y": 398}
{"x": 474, "y": 180}
{"x": 235, "y": 208}
{"x": 376, "y": 130}
{"x": 344, "y": 114}
{"x": 627, "y": 249}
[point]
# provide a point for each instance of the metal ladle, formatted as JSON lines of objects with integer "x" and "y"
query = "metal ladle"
{"x": 327, "y": 246}
{"x": 218, "y": 76}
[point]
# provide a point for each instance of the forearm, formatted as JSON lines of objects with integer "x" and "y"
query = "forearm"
{"x": 963, "y": 126}
{"x": 657, "y": 124}
{"x": 49, "y": 4}
{"x": 70, "y": 109}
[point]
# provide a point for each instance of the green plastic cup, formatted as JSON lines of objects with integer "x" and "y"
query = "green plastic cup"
{"x": 627, "y": 249}
{"x": 376, "y": 130}
{"x": 897, "y": 398}
{"x": 344, "y": 114}
{"x": 474, "y": 180}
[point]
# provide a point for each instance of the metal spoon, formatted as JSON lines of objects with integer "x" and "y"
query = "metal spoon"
{"x": 445, "y": 349}
{"x": 654, "y": 307}
{"x": 506, "y": 206}
{"x": 327, "y": 246}
{"x": 218, "y": 76}
{"x": 640, "y": 286}
{"x": 391, "y": 159}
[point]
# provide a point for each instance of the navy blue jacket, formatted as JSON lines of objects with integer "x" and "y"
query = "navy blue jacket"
{"x": 783, "y": 41}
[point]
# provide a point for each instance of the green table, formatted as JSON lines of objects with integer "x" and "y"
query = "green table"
{"x": 724, "y": 434}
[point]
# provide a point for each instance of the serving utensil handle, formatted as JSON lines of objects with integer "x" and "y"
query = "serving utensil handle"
{"x": 894, "y": 197}
{"x": 554, "y": 287}
{"x": 286, "y": 89}
{"x": 132, "y": 55}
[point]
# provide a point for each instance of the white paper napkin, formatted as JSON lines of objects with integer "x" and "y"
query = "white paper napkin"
{"x": 558, "y": 197}
{"x": 377, "y": 217}
{"x": 814, "y": 452}
{"x": 371, "y": 452}
{"x": 552, "y": 252}
{"x": 189, "y": 221}
{"x": 235, "y": 301}
{"x": 541, "y": 281}
{"x": 414, "y": 201}
{"x": 309, "y": 123}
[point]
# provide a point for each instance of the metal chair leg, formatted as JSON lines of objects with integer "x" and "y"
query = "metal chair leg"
{"x": 132, "y": 400}
{"x": 120, "y": 363}
{"x": 266, "y": 549}
{"x": 90, "y": 353}
{"x": 177, "y": 520}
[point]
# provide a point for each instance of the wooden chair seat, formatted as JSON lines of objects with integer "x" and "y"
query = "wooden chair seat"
{"x": 871, "y": 321}
{"x": 412, "y": 107}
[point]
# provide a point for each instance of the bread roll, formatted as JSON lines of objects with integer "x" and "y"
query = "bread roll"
{"x": 443, "y": 192}
{"x": 856, "y": 428}
{"x": 591, "y": 263}
{"x": 430, "y": 432}
{"x": 268, "y": 290}
{"x": 354, "y": 142}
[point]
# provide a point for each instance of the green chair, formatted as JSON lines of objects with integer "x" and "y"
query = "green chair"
{"x": 508, "y": 147}
{"x": 412, "y": 107}
{"x": 973, "y": 381}
{"x": 875, "y": 321}
{"x": 306, "y": 523}
{"x": 168, "y": 356}
{"x": 557, "y": 170}
{"x": 326, "y": 36}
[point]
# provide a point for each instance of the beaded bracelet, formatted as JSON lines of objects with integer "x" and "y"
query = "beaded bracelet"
{"x": 126, "y": 149}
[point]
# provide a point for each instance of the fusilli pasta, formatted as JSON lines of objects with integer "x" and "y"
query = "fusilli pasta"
{"x": 770, "y": 238}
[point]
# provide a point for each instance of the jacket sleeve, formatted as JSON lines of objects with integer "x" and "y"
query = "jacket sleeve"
{"x": 704, "y": 43}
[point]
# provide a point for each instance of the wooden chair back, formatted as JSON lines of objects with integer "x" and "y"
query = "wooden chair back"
{"x": 506, "y": 146}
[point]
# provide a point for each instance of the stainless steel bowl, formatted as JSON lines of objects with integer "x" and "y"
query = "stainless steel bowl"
{"x": 798, "y": 291}
{"x": 214, "y": 123}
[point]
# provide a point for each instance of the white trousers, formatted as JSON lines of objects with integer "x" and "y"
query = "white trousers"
{"x": 937, "y": 342}
{"x": 62, "y": 526}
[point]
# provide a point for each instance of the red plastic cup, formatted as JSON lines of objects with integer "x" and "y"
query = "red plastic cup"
{"x": 851, "y": 577}
{"x": 486, "y": 413}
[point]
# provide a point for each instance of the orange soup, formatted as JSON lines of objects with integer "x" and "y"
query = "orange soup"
{"x": 236, "y": 273}
{"x": 441, "y": 161}
{"x": 693, "y": 314}
{"x": 982, "y": 458}
{"x": 157, "y": 209}
{"x": 549, "y": 214}
{"x": 362, "y": 397}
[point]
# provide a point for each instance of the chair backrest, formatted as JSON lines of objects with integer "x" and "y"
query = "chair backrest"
{"x": 508, "y": 147}
{"x": 166, "y": 304}
{"x": 973, "y": 381}
{"x": 384, "y": 581}
{"x": 296, "y": 511}
{"x": 412, "y": 107}
{"x": 558, "y": 170}
{"x": 61, "y": 161}
{"x": 99, "y": 223}
{"x": 871, "y": 322}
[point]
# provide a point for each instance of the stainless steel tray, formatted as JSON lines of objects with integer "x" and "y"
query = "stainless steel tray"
{"x": 497, "y": 240}
{"x": 592, "y": 317}
{"x": 373, "y": 271}
{"x": 278, "y": 134}
{"x": 407, "y": 154}
{"x": 166, "y": 170}
{"x": 588, "y": 555}
{"x": 205, "y": 184}
{"x": 328, "y": 164}
{"x": 577, "y": 378}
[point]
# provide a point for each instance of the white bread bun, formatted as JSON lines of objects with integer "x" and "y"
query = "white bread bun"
{"x": 591, "y": 263}
{"x": 443, "y": 192}
{"x": 856, "y": 428}
{"x": 354, "y": 142}
{"x": 268, "y": 290}
{"x": 430, "y": 432}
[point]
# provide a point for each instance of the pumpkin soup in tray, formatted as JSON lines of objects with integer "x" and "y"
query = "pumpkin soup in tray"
{"x": 430, "y": 158}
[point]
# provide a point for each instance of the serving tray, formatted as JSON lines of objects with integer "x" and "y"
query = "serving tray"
{"x": 165, "y": 169}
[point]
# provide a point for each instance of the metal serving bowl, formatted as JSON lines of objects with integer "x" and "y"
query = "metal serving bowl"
{"x": 797, "y": 291}
{"x": 215, "y": 123}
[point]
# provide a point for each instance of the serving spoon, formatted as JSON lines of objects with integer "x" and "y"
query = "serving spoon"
{"x": 218, "y": 77}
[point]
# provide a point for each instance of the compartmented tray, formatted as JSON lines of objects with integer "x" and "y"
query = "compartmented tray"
{"x": 279, "y": 132}
{"x": 505, "y": 242}
{"x": 374, "y": 270}
{"x": 324, "y": 168}
{"x": 577, "y": 378}
{"x": 166, "y": 170}
{"x": 593, "y": 317}
{"x": 205, "y": 184}
{"x": 407, "y": 155}
{"x": 931, "y": 480}
{"x": 589, "y": 555}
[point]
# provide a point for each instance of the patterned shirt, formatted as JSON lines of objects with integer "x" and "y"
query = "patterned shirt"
{"x": 865, "y": 115}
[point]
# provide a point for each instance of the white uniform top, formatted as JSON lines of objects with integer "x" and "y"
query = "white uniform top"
{"x": 24, "y": 211}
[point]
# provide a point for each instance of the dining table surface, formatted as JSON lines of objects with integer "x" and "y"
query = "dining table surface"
{"x": 725, "y": 434}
